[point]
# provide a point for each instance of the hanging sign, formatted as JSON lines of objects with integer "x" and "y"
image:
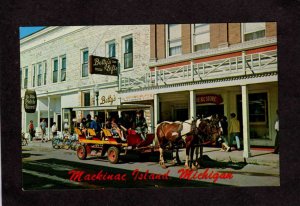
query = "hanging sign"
{"x": 209, "y": 98}
{"x": 103, "y": 65}
{"x": 30, "y": 101}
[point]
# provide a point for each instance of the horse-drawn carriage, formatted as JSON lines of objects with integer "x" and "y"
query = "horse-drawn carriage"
{"x": 197, "y": 133}
{"x": 113, "y": 146}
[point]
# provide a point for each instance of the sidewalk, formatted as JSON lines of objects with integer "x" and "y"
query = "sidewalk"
{"x": 258, "y": 156}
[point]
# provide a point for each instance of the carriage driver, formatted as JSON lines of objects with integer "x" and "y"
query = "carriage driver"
{"x": 141, "y": 125}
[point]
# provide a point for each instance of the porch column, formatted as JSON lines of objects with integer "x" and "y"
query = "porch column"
{"x": 48, "y": 117}
{"x": 152, "y": 119}
{"x": 246, "y": 129}
{"x": 156, "y": 109}
{"x": 38, "y": 112}
{"x": 192, "y": 104}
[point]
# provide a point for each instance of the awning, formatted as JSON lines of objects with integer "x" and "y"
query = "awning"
{"x": 112, "y": 108}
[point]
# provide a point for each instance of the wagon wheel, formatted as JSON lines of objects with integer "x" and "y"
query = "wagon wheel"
{"x": 113, "y": 154}
{"x": 81, "y": 152}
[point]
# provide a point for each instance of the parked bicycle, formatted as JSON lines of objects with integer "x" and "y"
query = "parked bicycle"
{"x": 24, "y": 140}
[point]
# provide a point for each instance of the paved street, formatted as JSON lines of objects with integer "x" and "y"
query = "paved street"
{"x": 48, "y": 168}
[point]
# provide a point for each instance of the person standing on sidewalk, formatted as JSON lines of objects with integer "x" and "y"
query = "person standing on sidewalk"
{"x": 31, "y": 130}
{"x": 54, "y": 130}
{"x": 43, "y": 125}
{"x": 276, "y": 150}
{"x": 234, "y": 131}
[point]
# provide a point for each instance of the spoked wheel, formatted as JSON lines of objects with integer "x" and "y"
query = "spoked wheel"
{"x": 113, "y": 154}
{"x": 81, "y": 152}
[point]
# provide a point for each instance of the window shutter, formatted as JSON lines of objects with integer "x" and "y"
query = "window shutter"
{"x": 254, "y": 27}
{"x": 174, "y": 31}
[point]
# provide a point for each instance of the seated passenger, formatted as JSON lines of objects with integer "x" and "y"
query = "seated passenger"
{"x": 141, "y": 125}
{"x": 116, "y": 130}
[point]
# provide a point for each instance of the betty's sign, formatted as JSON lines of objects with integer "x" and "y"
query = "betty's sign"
{"x": 30, "y": 101}
{"x": 103, "y": 65}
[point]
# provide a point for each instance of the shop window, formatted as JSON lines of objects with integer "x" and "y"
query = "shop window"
{"x": 174, "y": 39}
{"x": 87, "y": 99}
{"x": 128, "y": 53}
{"x": 63, "y": 73}
{"x": 84, "y": 67}
{"x": 254, "y": 31}
{"x": 201, "y": 37}
{"x": 26, "y": 78}
{"x": 258, "y": 115}
{"x": 39, "y": 83}
{"x": 55, "y": 70}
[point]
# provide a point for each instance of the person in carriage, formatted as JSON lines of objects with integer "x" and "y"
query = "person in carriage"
{"x": 141, "y": 124}
{"x": 115, "y": 129}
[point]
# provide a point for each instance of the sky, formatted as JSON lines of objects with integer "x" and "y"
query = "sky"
{"x": 26, "y": 31}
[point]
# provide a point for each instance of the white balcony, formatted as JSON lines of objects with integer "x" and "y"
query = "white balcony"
{"x": 241, "y": 65}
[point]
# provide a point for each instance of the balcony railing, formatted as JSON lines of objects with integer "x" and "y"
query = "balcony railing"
{"x": 196, "y": 71}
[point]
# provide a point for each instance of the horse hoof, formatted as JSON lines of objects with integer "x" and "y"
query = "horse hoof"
{"x": 187, "y": 167}
{"x": 162, "y": 164}
{"x": 173, "y": 162}
{"x": 194, "y": 168}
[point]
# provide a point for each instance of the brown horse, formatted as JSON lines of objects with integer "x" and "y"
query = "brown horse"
{"x": 207, "y": 133}
{"x": 170, "y": 133}
{"x": 195, "y": 132}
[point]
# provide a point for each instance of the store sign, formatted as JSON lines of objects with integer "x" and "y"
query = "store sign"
{"x": 103, "y": 65}
{"x": 210, "y": 98}
{"x": 139, "y": 97}
{"x": 109, "y": 99}
{"x": 30, "y": 101}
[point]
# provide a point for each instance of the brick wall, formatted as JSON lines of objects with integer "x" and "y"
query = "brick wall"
{"x": 186, "y": 38}
{"x": 218, "y": 35}
{"x": 271, "y": 29}
{"x": 234, "y": 33}
{"x": 153, "y": 41}
{"x": 161, "y": 41}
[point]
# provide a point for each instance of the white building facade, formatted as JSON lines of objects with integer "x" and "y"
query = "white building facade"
{"x": 54, "y": 63}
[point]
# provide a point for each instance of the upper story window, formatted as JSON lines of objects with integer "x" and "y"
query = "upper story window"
{"x": 39, "y": 79}
{"x": 26, "y": 78}
{"x": 174, "y": 39}
{"x": 253, "y": 31}
{"x": 21, "y": 78}
{"x": 201, "y": 37}
{"x": 63, "y": 73}
{"x": 55, "y": 70}
{"x": 33, "y": 76}
{"x": 128, "y": 52}
{"x": 111, "y": 49}
{"x": 84, "y": 67}
{"x": 45, "y": 73}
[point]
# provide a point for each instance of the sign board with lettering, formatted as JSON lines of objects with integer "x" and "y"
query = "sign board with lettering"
{"x": 137, "y": 97}
{"x": 30, "y": 101}
{"x": 209, "y": 98}
{"x": 103, "y": 65}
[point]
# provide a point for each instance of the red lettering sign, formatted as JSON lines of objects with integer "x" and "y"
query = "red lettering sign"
{"x": 209, "y": 98}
